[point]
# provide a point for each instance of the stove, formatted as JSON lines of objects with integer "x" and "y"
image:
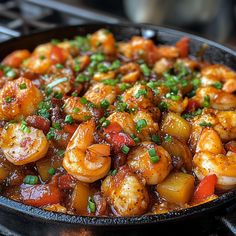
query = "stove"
{"x": 18, "y": 17}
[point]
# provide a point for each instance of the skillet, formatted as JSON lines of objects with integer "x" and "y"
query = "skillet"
{"x": 26, "y": 220}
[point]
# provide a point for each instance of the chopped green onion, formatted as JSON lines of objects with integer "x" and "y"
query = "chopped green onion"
{"x": 140, "y": 93}
{"x": 31, "y": 179}
{"x": 153, "y": 155}
{"x": 55, "y": 41}
{"x": 58, "y": 95}
{"x": 121, "y": 106}
{"x": 76, "y": 110}
{"x": 206, "y": 102}
{"x": 111, "y": 82}
{"x": 104, "y": 104}
{"x": 218, "y": 85}
{"x": 91, "y": 205}
{"x": 115, "y": 65}
{"x": 135, "y": 138}
{"x": 52, "y": 134}
{"x": 114, "y": 172}
{"x": 205, "y": 124}
{"x": 22, "y": 86}
{"x": 24, "y": 127}
{"x": 102, "y": 119}
{"x": 156, "y": 139}
{"x": 163, "y": 106}
{"x": 105, "y": 123}
{"x": 51, "y": 171}
{"x": 8, "y": 99}
{"x": 42, "y": 57}
{"x": 125, "y": 149}
{"x": 69, "y": 119}
{"x": 98, "y": 57}
{"x": 81, "y": 78}
{"x": 144, "y": 68}
{"x": 11, "y": 74}
{"x": 83, "y": 100}
{"x": 56, "y": 125}
{"x": 59, "y": 66}
{"x": 56, "y": 82}
{"x": 168, "y": 138}
{"x": 74, "y": 94}
{"x": 102, "y": 68}
{"x": 140, "y": 125}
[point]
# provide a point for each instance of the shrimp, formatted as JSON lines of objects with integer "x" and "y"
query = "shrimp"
{"x": 224, "y": 122}
{"x": 18, "y": 99}
{"x": 150, "y": 128}
{"x": 99, "y": 91}
{"x": 104, "y": 41}
{"x": 125, "y": 120}
{"x": 126, "y": 193}
{"x": 139, "y": 96}
{"x": 76, "y": 109}
{"x": 140, "y": 162}
{"x": 162, "y": 65}
{"x": 16, "y": 58}
{"x": 22, "y": 144}
{"x": 130, "y": 71}
{"x": 218, "y": 99}
{"x": 176, "y": 106}
{"x": 86, "y": 161}
{"x": 219, "y": 73}
{"x": 210, "y": 158}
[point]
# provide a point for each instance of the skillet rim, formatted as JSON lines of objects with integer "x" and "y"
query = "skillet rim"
{"x": 9, "y": 205}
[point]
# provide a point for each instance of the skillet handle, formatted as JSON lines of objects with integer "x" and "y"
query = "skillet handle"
{"x": 229, "y": 219}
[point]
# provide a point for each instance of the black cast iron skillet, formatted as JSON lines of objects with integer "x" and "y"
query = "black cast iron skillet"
{"x": 27, "y": 220}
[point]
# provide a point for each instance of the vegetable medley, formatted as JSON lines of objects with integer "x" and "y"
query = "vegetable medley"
{"x": 92, "y": 126}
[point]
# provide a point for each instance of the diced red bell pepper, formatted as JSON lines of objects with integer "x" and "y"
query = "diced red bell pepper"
{"x": 57, "y": 55}
{"x": 205, "y": 188}
{"x": 40, "y": 195}
{"x": 192, "y": 105}
{"x": 183, "y": 46}
{"x": 66, "y": 181}
{"x": 120, "y": 139}
{"x": 70, "y": 128}
{"x": 114, "y": 127}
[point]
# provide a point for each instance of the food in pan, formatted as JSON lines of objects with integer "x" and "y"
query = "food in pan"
{"x": 93, "y": 126}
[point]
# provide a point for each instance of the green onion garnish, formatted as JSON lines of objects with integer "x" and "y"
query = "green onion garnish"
{"x": 31, "y": 179}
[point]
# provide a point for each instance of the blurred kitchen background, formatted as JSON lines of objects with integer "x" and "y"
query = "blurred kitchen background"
{"x": 213, "y": 19}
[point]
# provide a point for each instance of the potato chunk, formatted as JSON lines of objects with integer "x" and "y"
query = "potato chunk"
{"x": 174, "y": 125}
{"x": 177, "y": 188}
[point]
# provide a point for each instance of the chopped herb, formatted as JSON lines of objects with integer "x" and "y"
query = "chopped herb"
{"x": 153, "y": 155}
{"x": 91, "y": 205}
{"x": 59, "y": 66}
{"x": 111, "y": 82}
{"x": 144, "y": 68}
{"x": 104, "y": 104}
{"x": 56, "y": 125}
{"x": 115, "y": 65}
{"x": 31, "y": 179}
{"x": 8, "y": 99}
{"x": 83, "y": 100}
{"x": 105, "y": 123}
{"x": 218, "y": 85}
{"x": 76, "y": 110}
{"x": 11, "y": 74}
{"x": 140, "y": 124}
{"x": 125, "y": 149}
{"x": 74, "y": 94}
{"x": 81, "y": 78}
{"x": 196, "y": 82}
{"x": 69, "y": 119}
{"x": 56, "y": 82}
{"x": 87, "y": 117}
{"x": 48, "y": 91}
{"x": 42, "y": 57}
{"x": 140, "y": 93}
{"x": 24, "y": 127}
{"x": 76, "y": 68}
{"x": 153, "y": 86}
{"x": 51, "y": 171}
{"x": 190, "y": 115}
{"x": 60, "y": 153}
{"x": 58, "y": 95}
{"x": 168, "y": 138}
{"x": 172, "y": 96}
{"x": 52, "y": 134}
{"x": 102, "y": 119}
{"x": 82, "y": 43}
{"x": 135, "y": 138}
{"x": 102, "y": 68}
{"x": 156, "y": 139}
{"x": 123, "y": 87}
{"x": 205, "y": 124}
{"x": 206, "y": 102}
{"x": 44, "y": 108}
{"x": 163, "y": 106}
{"x": 98, "y": 57}
{"x": 55, "y": 41}
{"x": 114, "y": 172}
{"x": 22, "y": 86}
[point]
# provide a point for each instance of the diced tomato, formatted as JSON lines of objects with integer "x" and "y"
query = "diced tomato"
{"x": 70, "y": 128}
{"x": 40, "y": 195}
{"x": 57, "y": 55}
{"x": 205, "y": 188}
{"x": 192, "y": 105}
{"x": 114, "y": 127}
{"x": 38, "y": 122}
{"x": 231, "y": 146}
{"x": 183, "y": 46}
{"x": 66, "y": 181}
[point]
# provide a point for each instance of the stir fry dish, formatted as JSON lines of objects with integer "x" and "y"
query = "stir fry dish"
{"x": 97, "y": 127}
